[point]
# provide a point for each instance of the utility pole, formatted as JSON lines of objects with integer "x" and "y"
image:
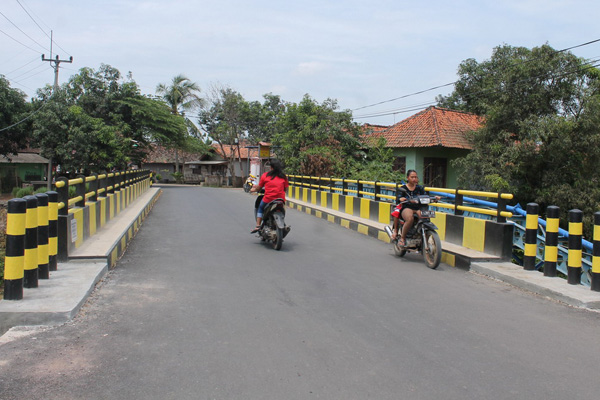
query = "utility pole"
{"x": 55, "y": 63}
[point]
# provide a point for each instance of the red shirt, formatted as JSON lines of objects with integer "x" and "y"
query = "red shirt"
{"x": 274, "y": 187}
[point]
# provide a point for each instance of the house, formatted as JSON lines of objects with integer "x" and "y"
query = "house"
{"x": 211, "y": 169}
{"x": 428, "y": 141}
{"x": 162, "y": 162}
{"x": 24, "y": 167}
{"x": 216, "y": 163}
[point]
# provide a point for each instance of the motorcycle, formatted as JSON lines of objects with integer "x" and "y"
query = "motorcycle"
{"x": 422, "y": 236}
{"x": 249, "y": 183}
{"x": 273, "y": 228}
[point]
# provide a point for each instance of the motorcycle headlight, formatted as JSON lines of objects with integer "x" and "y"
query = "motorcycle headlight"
{"x": 425, "y": 200}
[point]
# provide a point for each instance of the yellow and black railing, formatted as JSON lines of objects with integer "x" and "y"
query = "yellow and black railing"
{"x": 42, "y": 229}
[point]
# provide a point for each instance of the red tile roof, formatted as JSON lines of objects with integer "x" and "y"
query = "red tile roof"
{"x": 232, "y": 149}
{"x": 431, "y": 127}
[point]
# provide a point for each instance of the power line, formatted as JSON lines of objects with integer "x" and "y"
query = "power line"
{"x": 26, "y": 118}
{"x": 452, "y": 83}
{"x": 586, "y": 66}
{"x": 22, "y": 44}
{"x": 38, "y": 25}
{"x": 23, "y": 66}
{"x": 406, "y": 95}
{"x": 32, "y": 39}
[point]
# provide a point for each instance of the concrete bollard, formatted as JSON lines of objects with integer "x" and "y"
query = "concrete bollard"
{"x": 595, "y": 285}
{"x": 30, "y": 277}
{"x": 42, "y": 234}
{"x": 575, "y": 246}
{"x": 52, "y": 230}
{"x": 531, "y": 228}
{"x": 15, "y": 249}
{"x": 551, "y": 248}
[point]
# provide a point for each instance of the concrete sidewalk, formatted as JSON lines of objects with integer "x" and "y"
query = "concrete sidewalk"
{"x": 58, "y": 299}
{"x": 533, "y": 281}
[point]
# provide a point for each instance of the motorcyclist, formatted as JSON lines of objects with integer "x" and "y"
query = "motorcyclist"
{"x": 275, "y": 183}
{"x": 407, "y": 210}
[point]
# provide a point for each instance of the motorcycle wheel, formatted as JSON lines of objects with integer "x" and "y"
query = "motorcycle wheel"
{"x": 432, "y": 249}
{"x": 246, "y": 188}
{"x": 399, "y": 251}
{"x": 278, "y": 240}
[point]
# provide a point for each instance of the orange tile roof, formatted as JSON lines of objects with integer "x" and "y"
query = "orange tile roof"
{"x": 232, "y": 149}
{"x": 431, "y": 127}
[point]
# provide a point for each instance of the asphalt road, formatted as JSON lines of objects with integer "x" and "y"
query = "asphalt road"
{"x": 198, "y": 308}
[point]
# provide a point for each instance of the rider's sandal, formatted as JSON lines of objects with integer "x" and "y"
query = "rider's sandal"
{"x": 255, "y": 229}
{"x": 401, "y": 242}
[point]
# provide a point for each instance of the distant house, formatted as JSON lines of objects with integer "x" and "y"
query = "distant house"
{"x": 211, "y": 168}
{"x": 428, "y": 141}
{"x": 24, "y": 167}
{"x": 162, "y": 162}
{"x": 217, "y": 163}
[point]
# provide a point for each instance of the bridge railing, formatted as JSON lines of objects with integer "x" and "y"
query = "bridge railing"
{"x": 42, "y": 228}
{"x": 455, "y": 201}
{"x": 542, "y": 243}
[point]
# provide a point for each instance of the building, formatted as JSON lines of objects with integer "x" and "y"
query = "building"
{"x": 25, "y": 167}
{"x": 428, "y": 142}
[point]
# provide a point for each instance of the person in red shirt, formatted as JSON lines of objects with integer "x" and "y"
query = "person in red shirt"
{"x": 275, "y": 183}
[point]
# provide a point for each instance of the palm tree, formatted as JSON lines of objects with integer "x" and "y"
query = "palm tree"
{"x": 181, "y": 95}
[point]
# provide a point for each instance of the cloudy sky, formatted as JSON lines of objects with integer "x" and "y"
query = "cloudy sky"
{"x": 358, "y": 52}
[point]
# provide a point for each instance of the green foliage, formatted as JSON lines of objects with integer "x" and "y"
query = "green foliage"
{"x": 178, "y": 177}
{"x": 22, "y": 192}
{"x": 377, "y": 163}
{"x": 541, "y": 139}
{"x": 316, "y": 139}
{"x": 13, "y": 109}
{"x": 98, "y": 121}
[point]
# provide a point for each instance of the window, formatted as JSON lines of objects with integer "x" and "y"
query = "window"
{"x": 435, "y": 172}
{"x": 399, "y": 165}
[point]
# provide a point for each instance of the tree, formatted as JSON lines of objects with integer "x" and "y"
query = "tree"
{"x": 540, "y": 139}
{"x": 376, "y": 164}
{"x": 225, "y": 119}
{"x": 14, "y": 130}
{"x": 97, "y": 121}
{"x": 181, "y": 95}
{"x": 316, "y": 139}
{"x": 261, "y": 119}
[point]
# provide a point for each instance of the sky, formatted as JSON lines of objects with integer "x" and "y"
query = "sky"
{"x": 359, "y": 53}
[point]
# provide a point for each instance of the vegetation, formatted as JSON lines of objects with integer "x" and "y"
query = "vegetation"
{"x": 541, "y": 139}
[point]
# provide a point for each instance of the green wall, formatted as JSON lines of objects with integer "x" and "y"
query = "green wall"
{"x": 415, "y": 160}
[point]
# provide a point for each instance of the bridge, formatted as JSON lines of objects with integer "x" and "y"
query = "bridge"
{"x": 333, "y": 315}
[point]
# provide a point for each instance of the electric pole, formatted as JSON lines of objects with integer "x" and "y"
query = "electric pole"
{"x": 55, "y": 63}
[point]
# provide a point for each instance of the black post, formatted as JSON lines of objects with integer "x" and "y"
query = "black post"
{"x": 15, "y": 249}
{"x": 551, "y": 251}
{"x": 42, "y": 236}
{"x": 595, "y": 286}
{"x": 52, "y": 230}
{"x": 458, "y": 201}
{"x": 575, "y": 246}
{"x": 30, "y": 276}
{"x": 80, "y": 191}
{"x": 501, "y": 208}
{"x": 531, "y": 228}
{"x": 63, "y": 219}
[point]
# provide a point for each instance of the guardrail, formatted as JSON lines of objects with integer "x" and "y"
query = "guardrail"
{"x": 576, "y": 258}
{"x": 386, "y": 191}
{"x": 38, "y": 234}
